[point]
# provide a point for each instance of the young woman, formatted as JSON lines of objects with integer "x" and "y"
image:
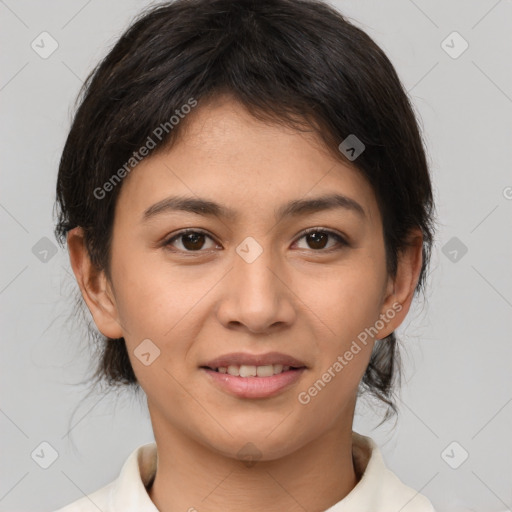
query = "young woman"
{"x": 248, "y": 210}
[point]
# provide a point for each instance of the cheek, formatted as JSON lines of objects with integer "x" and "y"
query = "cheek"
{"x": 165, "y": 305}
{"x": 151, "y": 296}
{"x": 345, "y": 305}
{"x": 331, "y": 394}
{"x": 346, "y": 300}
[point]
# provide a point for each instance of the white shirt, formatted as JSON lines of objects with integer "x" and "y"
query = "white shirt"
{"x": 378, "y": 489}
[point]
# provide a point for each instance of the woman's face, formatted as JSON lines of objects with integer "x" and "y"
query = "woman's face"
{"x": 249, "y": 283}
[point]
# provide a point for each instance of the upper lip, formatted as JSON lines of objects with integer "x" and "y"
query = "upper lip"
{"x": 243, "y": 358}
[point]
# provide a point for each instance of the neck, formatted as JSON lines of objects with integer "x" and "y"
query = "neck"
{"x": 192, "y": 477}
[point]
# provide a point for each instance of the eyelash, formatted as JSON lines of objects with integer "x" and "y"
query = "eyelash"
{"x": 341, "y": 241}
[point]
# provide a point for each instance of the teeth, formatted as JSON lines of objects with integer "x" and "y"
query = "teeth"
{"x": 253, "y": 371}
{"x": 265, "y": 371}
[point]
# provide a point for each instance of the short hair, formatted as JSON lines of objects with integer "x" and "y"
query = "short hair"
{"x": 295, "y": 62}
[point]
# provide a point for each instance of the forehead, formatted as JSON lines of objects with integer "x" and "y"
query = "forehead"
{"x": 250, "y": 166}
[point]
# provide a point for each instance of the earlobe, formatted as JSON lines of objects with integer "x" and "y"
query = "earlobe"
{"x": 401, "y": 289}
{"x": 94, "y": 286}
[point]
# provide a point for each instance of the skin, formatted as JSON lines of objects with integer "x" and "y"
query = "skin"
{"x": 295, "y": 298}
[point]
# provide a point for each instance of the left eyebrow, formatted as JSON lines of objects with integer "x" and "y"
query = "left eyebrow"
{"x": 293, "y": 208}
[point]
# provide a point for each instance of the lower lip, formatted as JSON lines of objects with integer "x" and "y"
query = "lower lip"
{"x": 254, "y": 387}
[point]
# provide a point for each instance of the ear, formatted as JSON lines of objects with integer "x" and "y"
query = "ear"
{"x": 95, "y": 288}
{"x": 400, "y": 291}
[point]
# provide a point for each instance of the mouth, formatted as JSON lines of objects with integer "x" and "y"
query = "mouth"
{"x": 246, "y": 375}
{"x": 246, "y": 364}
{"x": 245, "y": 371}
{"x": 253, "y": 382}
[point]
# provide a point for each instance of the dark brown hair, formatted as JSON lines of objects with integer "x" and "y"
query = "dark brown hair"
{"x": 296, "y": 62}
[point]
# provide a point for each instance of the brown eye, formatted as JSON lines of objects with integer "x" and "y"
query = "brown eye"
{"x": 191, "y": 241}
{"x": 317, "y": 239}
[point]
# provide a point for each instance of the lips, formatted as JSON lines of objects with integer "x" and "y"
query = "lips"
{"x": 255, "y": 387}
{"x": 246, "y": 359}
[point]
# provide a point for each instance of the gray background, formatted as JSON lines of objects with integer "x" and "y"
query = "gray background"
{"x": 459, "y": 355}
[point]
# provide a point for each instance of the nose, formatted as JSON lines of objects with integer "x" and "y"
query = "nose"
{"x": 256, "y": 295}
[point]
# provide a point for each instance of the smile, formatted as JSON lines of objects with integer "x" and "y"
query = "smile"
{"x": 250, "y": 381}
{"x": 253, "y": 371}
